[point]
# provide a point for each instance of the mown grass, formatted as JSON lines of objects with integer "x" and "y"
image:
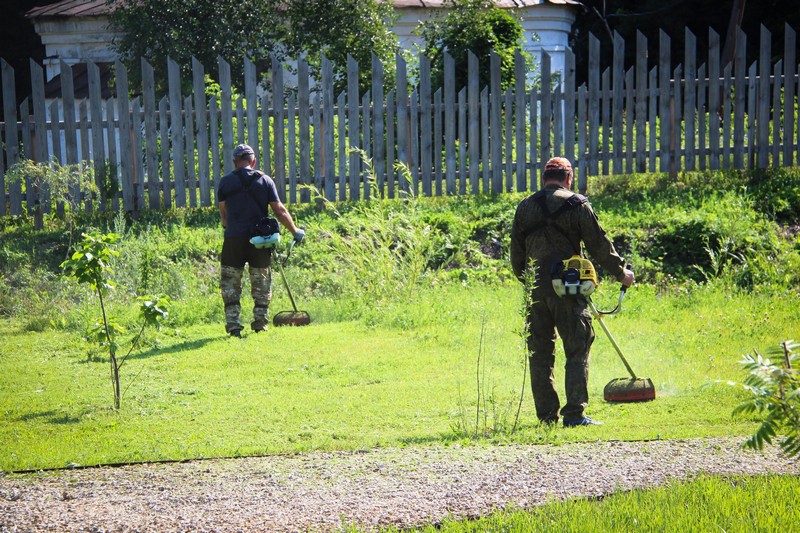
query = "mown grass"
{"x": 732, "y": 504}
{"x": 349, "y": 385}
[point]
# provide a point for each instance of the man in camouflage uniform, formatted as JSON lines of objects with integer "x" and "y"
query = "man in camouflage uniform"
{"x": 549, "y": 227}
{"x": 243, "y": 196}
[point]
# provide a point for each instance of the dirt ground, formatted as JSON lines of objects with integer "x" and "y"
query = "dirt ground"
{"x": 403, "y": 487}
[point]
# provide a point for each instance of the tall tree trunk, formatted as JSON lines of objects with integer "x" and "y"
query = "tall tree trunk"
{"x": 737, "y": 14}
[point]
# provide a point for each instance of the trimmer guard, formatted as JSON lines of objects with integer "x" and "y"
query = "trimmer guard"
{"x": 292, "y": 318}
{"x": 629, "y": 390}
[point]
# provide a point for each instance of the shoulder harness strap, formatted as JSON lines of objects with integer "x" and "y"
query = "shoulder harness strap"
{"x": 541, "y": 198}
{"x": 245, "y": 187}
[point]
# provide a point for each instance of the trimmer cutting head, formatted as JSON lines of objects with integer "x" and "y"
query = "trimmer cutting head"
{"x": 292, "y": 318}
{"x": 629, "y": 390}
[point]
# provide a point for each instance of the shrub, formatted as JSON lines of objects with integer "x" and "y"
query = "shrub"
{"x": 776, "y": 192}
{"x": 775, "y": 390}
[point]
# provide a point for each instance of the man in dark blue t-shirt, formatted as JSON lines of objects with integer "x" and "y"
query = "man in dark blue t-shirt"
{"x": 243, "y": 197}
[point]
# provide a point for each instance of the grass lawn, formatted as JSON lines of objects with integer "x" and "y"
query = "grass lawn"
{"x": 410, "y": 377}
{"x": 706, "y": 504}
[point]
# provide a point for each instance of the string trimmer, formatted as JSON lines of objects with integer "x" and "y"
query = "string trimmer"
{"x": 632, "y": 389}
{"x": 577, "y": 276}
{"x": 294, "y": 317}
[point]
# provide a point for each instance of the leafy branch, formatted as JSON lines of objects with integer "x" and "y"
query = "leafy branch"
{"x": 775, "y": 392}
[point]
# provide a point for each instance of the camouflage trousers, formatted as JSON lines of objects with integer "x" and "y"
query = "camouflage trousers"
{"x": 571, "y": 318}
{"x": 260, "y": 289}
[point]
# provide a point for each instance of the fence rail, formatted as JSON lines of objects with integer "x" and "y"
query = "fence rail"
{"x": 695, "y": 114}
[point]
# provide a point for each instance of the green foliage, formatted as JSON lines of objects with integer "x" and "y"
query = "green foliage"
{"x": 206, "y": 30}
{"x": 376, "y": 250}
{"x": 776, "y": 191}
{"x": 154, "y": 309}
{"x": 107, "y": 182}
{"x": 477, "y": 26}
{"x": 61, "y": 187}
{"x": 338, "y": 28}
{"x": 182, "y": 29}
{"x": 64, "y": 184}
{"x": 704, "y": 226}
{"x": 775, "y": 400}
{"x": 91, "y": 265}
{"x": 91, "y": 261}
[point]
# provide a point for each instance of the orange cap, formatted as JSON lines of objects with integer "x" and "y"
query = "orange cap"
{"x": 558, "y": 163}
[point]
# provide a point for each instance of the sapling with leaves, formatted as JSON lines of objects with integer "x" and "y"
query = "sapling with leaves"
{"x": 775, "y": 392}
{"x": 91, "y": 264}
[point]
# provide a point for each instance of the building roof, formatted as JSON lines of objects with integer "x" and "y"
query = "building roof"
{"x": 90, "y": 8}
{"x": 72, "y": 8}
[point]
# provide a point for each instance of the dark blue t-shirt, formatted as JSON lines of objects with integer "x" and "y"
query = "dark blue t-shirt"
{"x": 242, "y": 205}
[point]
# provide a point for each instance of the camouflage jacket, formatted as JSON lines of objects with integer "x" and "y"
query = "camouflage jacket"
{"x": 547, "y": 239}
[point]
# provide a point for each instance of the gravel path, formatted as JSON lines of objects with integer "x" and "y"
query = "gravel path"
{"x": 323, "y": 491}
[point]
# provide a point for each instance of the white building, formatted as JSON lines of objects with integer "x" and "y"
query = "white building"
{"x": 77, "y": 31}
{"x": 547, "y": 24}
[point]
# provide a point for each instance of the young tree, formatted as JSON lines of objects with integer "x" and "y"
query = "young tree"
{"x": 91, "y": 265}
{"x": 775, "y": 397}
{"x": 476, "y": 26}
{"x": 60, "y": 188}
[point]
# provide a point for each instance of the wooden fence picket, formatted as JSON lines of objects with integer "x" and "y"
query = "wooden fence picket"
{"x": 164, "y": 150}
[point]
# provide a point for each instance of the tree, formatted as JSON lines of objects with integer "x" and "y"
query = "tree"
{"x": 61, "y": 189}
{"x": 207, "y": 29}
{"x": 475, "y": 26}
{"x": 338, "y": 28}
{"x": 182, "y": 29}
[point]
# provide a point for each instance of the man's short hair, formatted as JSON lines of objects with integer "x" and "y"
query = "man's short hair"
{"x": 243, "y": 151}
{"x": 558, "y": 169}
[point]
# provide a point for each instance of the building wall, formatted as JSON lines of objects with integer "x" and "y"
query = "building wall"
{"x": 75, "y": 40}
{"x": 546, "y": 27}
{"x": 79, "y": 39}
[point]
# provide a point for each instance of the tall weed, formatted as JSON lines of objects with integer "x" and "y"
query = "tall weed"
{"x": 376, "y": 252}
{"x": 369, "y": 260}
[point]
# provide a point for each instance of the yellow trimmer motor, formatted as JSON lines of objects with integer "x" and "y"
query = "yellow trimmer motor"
{"x": 574, "y": 276}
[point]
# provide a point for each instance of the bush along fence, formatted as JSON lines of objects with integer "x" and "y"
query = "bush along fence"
{"x": 412, "y": 137}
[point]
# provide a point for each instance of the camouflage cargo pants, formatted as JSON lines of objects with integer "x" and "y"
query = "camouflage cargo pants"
{"x": 573, "y": 321}
{"x": 260, "y": 289}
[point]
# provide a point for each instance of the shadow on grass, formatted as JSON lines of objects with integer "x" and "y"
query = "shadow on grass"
{"x": 443, "y": 438}
{"x": 187, "y": 345}
{"x": 184, "y": 346}
{"x": 51, "y": 417}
